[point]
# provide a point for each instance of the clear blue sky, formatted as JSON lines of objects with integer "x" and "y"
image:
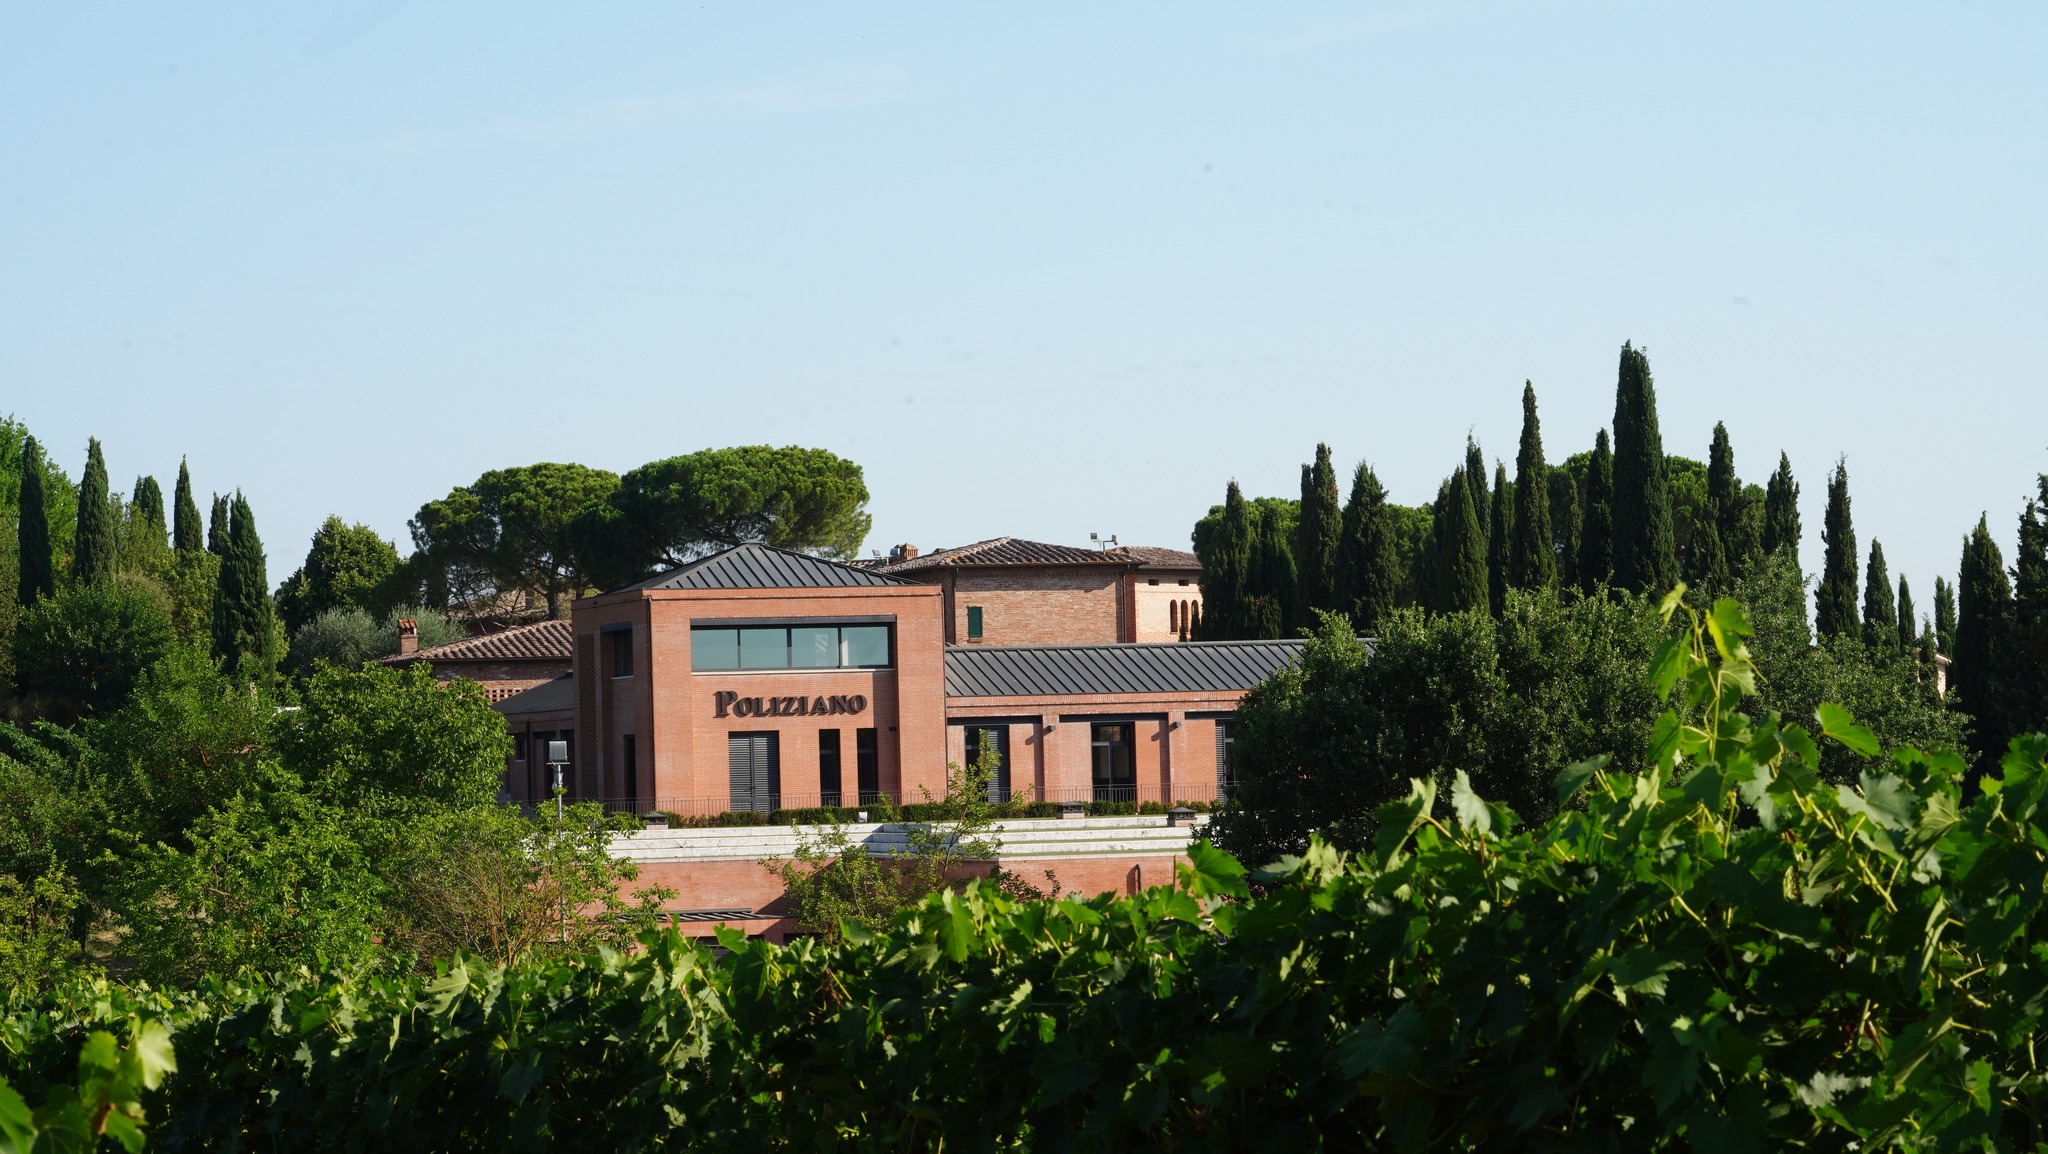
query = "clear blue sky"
{"x": 1041, "y": 271}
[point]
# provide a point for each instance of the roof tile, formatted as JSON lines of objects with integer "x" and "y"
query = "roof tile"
{"x": 542, "y": 641}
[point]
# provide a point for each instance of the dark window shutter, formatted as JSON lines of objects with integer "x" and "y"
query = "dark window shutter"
{"x": 974, "y": 622}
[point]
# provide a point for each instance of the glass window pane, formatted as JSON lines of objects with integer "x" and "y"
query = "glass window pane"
{"x": 714, "y": 649}
{"x": 764, "y": 648}
{"x": 814, "y": 646}
{"x": 867, "y": 646}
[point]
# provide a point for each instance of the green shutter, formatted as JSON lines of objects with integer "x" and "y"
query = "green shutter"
{"x": 974, "y": 622}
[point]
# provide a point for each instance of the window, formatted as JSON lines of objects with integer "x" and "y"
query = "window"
{"x": 1173, "y": 616}
{"x": 1226, "y": 773}
{"x": 755, "y": 762}
{"x": 1151, "y": 580}
{"x": 867, "y": 759}
{"x": 629, "y": 770}
{"x": 518, "y": 747}
{"x": 621, "y": 642}
{"x": 993, "y": 740}
{"x": 1183, "y": 580}
{"x": 974, "y": 623}
{"x": 790, "y": 647}
{"x": 828, "y": 767}
{"x": 1116, "y": 770}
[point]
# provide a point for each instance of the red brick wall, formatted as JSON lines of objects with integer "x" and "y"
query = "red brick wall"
{"x": 1033, "y": 606}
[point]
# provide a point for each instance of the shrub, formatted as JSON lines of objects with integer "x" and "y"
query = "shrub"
{"x": 80, "y": 653}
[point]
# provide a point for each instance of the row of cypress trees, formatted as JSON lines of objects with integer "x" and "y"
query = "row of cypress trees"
{"x": 111, "y": 540}
{"x": 1603, "y": 520}
{"x": 2000, "y": 629}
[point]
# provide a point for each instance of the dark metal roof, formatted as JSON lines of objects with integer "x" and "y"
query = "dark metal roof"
{"x": 1059, "y": 670}
{"x": 755, "y": 566}
{"x": 557, "y": 696}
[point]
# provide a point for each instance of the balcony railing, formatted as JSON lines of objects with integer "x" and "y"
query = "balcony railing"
{"x": 849, "y": 803}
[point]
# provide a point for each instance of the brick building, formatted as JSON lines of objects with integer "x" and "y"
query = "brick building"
{"x": 760, "y": 679}
{"x": 504, "y": 663}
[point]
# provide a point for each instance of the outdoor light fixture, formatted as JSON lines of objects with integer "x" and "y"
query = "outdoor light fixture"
{"x": 558, "y": 756}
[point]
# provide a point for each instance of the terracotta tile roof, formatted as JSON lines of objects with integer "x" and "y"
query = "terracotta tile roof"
{"x": 756, "y": 566}
{"x": 543, "y": 641}
{"x": 1006, "y": 551}
{"x": 1155, "y": 555}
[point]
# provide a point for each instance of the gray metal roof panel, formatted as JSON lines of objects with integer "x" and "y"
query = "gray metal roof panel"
{"x": 552, "y": 697}
{"x": 757, "y": 566}
{"x": 1063, "y": 670}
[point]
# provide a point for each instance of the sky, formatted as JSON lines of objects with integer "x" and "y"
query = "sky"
{"x": 1041, "y": 271}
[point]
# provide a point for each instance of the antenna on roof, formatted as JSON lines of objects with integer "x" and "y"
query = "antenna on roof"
{"x": 1101, "y": 544}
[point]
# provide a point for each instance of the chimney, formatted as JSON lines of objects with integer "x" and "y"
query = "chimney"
{"x": 408, "y": 636}
{"x": 903, "y": 552}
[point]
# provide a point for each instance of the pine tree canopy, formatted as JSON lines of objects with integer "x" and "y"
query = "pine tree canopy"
{"x": 1835, "y": 598}
{"x": 1317, "y": 534}
{"x": 95, "y": 550}
{"x": 1461, "y": 547}
{"x": 1781, "y": 509}
{"x": 1533, "y": 561}
{"x": 1880, "y": 611}
{"x": 1566, "y": 526}
{"x": 186, "y": 534}
{"x": 1645, "y": 550}
{"x": 37, "y": 575}
{"x": 1596, "y": 539}
{"x": 1500, "y": 541}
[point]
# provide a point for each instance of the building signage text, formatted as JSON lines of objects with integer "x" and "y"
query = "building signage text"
{"x": 733, "y": 705}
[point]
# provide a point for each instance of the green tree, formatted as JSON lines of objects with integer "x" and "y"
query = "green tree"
{"x": 1835, "y": 598}
{"x": 185, "y": 741}
{"x": 1781, "y": 509}
{"x": 2022, "y": 657}
{"x": 1566, "y": 526}
{"x": 1272, "y": 587}
{"x": 1707, "y": 565}
{"x": 219, "y": 527}
{"x": 1909, "y": 622}
{"x": 1461, "y": 551}
{"x": 1880, "y": 611}
{"x": 1317, "y": 533}
{"x": 378, "y": 735}
{"x": 1984, "y": 613}
{"x": 80, "y": 654}
{"x": 1533, "y": 564}
{"x": 1596, "y": 541}
{"x": 1645, "y": 552}
{"x": 1500, "y": 542}
{"x": 1945, "y": 617}
{"x": 1475, "y": 476}
{"x": 347, "y": 566}
{"x": 145, "y": 545}
{"x": 96, "y": 547}
{"x": 1223, "y": 544}
{"x": 38, "y": 573}
{"x": 244, "y": 621}
{"x": 670, "y": 511}
{"x": 1369, "y": 567}
{"x": 186, "y": 535}
{"x": 511, "y": 531}
{"x": 1738, "y": 516}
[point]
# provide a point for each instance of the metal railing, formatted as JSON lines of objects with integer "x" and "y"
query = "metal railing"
{"x": 850, "y": 803}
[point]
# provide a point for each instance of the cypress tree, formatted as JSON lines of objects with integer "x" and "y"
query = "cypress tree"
{"x": 1835, "y": 598}
{"x": 1741, "y": 544}
{"x": 1645, "y": 552}
{"x": 1500, "y": 543}
{"x": 1369, "y": 576}
{"x": 145, "y": 545}
{"x": 1706, "y": 563}
{"x": 1984, "y": 610}
{"x": 1781, "y": 509}
{"x": 1429, "y": 581}
{"x": 1533, "y": 562}
{"x": 241, "y": 602}
{"x": 1596, "y": 541}
{"x": 2022, "y": 659}
{"x": 37, "y": 575}
{"x": 1461, "y": 549}
{"x": 1226, "y": 563}
{"x": 1475, "y": 476}
{"x": 1945, "y": 617}
{"x": 1909, "y": 629}
{"x": 217, "y": 527}
{"x": 1880, "y": 611}
{"x": 186, "y": 536}
{"x": 1272, "y": 580}
{"x": 1316, "y": 536}
{"x": 1565, "y": 524}
{"x": 96, "y": 548}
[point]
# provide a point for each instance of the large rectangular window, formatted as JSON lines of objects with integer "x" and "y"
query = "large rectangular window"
{"x": 867, "y": 759}
{"x": 755, "y": 763}
{"x": 991, "y": 741}
{"x": 1226, "y": 772}
{"x": 790, "y": 647}
{"x": 1114, "y": 745}
{"x": 828, "y": 767}
{"x": 621, "y": 641}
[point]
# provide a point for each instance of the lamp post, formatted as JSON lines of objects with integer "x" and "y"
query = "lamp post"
{"x": 558, "y": 756}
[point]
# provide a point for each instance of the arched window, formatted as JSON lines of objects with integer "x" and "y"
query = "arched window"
{"x": 1173, "y": 616}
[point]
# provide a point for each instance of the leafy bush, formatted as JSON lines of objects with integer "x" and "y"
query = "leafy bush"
{"x": 80, "y": 654}
{"x": 345, "y": 637}
{"x": 364, "y": 735}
